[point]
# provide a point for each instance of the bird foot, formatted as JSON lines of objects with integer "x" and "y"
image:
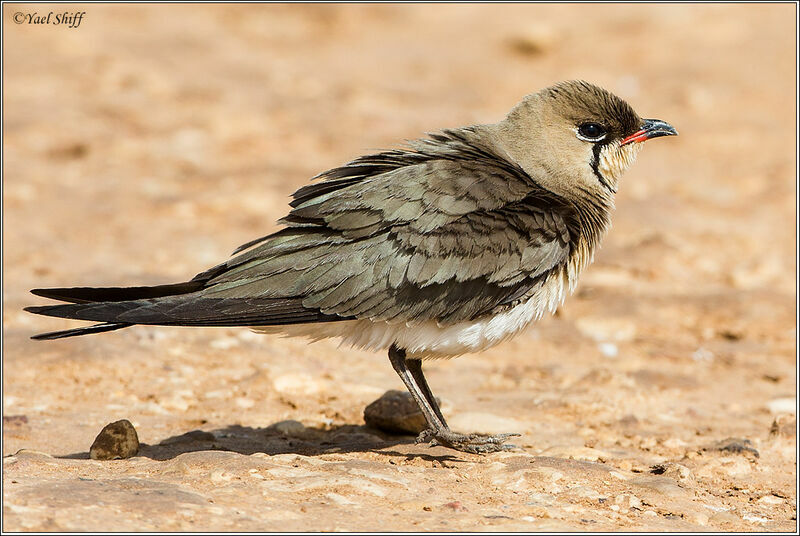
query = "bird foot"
{"x": 472, "y": 443}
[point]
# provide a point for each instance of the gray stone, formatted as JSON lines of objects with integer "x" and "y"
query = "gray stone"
{"x": 737, "y": 445}
{"x": 395, "y": 412}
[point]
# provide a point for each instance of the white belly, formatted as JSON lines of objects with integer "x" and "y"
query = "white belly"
{"x": 423, "y": 340}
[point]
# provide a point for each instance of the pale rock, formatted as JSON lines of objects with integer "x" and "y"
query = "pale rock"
{"x": 702, "y": 354}
{"x": 549, "y": 473}
{"x": 179, "y": 401}
{"x": 297, "y": 384}
{"x": 31, "y": 454}
{"x": 723, "y": 516}
{"x": 312, "y": 481}
{"x": 220, "y": 476}
{"x": 244, "y": 403}
{"x": 675, "y": 443}
{"x": 735, "y": 466}
{"x": 255, "y": 474}
{"x": 279, "y": 514}
{"x": 585, "y": 493}
{"x": 294, "y": 459}
{"x": 224, "y": 343}
{"x": 341, "y": 500}
{"x": 485, "y": 423}
{"x": 659, "y": 485}
{"x": 608, "y": 349}
{"x": 729, "y": 465}
{"x": 777, "y": 406}
{"x": 771, "y": 500}
{"x": 698, "y": 517}
{"x": 576, "y": 453}
{"x": 291, "y": 473}
{"x": 606, "y": 329}
{"x": 676, "y": 470}
{"x": 540, "y": 499}
{"x": 379, "y": 476}
{"x": 627, "y": 500}
{"x": 289, "y": 428}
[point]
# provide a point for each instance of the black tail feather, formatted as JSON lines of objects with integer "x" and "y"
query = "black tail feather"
{"x": 192, "y": 310}
{"x": 83, "y": 295}
{"x": 168, "y": 305}
{"x": 115, "y": 294}
{"x": 97, "y": 328}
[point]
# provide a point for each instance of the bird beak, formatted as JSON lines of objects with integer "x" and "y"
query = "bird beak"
{"x": 652, "y": 128}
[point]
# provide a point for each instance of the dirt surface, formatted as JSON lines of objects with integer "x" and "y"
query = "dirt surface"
{"x": 144, "y": 145}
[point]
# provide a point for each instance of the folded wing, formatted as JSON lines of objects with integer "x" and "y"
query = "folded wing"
{"x": 446, "y": 230}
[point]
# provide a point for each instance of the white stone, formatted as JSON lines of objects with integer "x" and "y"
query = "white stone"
{"x": 608, "y": 349}
{"x": 302, "y": 384}
{"x": 782, "y": 405}
{"x": 607, "y": 329}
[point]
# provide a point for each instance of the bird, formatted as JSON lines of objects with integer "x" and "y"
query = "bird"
{"x": 449, "y": 244}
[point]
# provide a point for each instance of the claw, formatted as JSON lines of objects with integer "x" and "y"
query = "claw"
{"x": 425, "y": 436}
{"x": 472, "y": 443}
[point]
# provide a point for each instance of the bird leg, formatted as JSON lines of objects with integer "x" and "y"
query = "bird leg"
{"x": 438, "y": 433}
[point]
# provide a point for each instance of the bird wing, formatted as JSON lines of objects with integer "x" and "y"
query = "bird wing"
{"x": 446, "y": 230}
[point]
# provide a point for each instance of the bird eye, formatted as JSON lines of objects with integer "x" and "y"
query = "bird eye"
{"x": 591, "y": 131}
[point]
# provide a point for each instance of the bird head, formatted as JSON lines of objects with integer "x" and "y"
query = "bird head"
{"x": 576, "y": 138}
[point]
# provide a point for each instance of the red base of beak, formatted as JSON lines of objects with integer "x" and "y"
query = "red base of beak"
{"x": 636, "y": 137}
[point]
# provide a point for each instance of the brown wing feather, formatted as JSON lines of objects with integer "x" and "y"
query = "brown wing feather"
{"x": 446, "y": 230}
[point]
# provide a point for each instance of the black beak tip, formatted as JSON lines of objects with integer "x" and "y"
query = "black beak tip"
{"x": 656, "y": 128}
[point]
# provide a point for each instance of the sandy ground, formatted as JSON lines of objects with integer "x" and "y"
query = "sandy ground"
{"x": 144, "y": 145}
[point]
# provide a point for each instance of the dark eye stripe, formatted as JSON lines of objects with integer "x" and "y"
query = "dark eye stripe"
{"x": 596, "y": 167}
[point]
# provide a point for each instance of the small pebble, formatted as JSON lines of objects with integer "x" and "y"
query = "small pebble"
{"x": 699, "y": 518}
{"x": 608, "y": 349}
{"x": 296, "y": 429}
{"x": 395, "y": 412}
{"x": 771, "y": 499}
{"x": 724, "y": 517}
{"x": 456, "y": 506}
{"x": 117, "y": 440}
{"x": 737, "y": 445}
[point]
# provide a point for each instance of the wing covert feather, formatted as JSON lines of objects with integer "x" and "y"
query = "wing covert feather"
{"x": 448, "y": 230}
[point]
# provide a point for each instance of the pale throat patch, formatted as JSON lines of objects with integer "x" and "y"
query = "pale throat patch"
{"x": 615, "y": 160}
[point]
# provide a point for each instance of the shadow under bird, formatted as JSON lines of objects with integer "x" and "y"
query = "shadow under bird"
{"x": 449, "y": 245}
